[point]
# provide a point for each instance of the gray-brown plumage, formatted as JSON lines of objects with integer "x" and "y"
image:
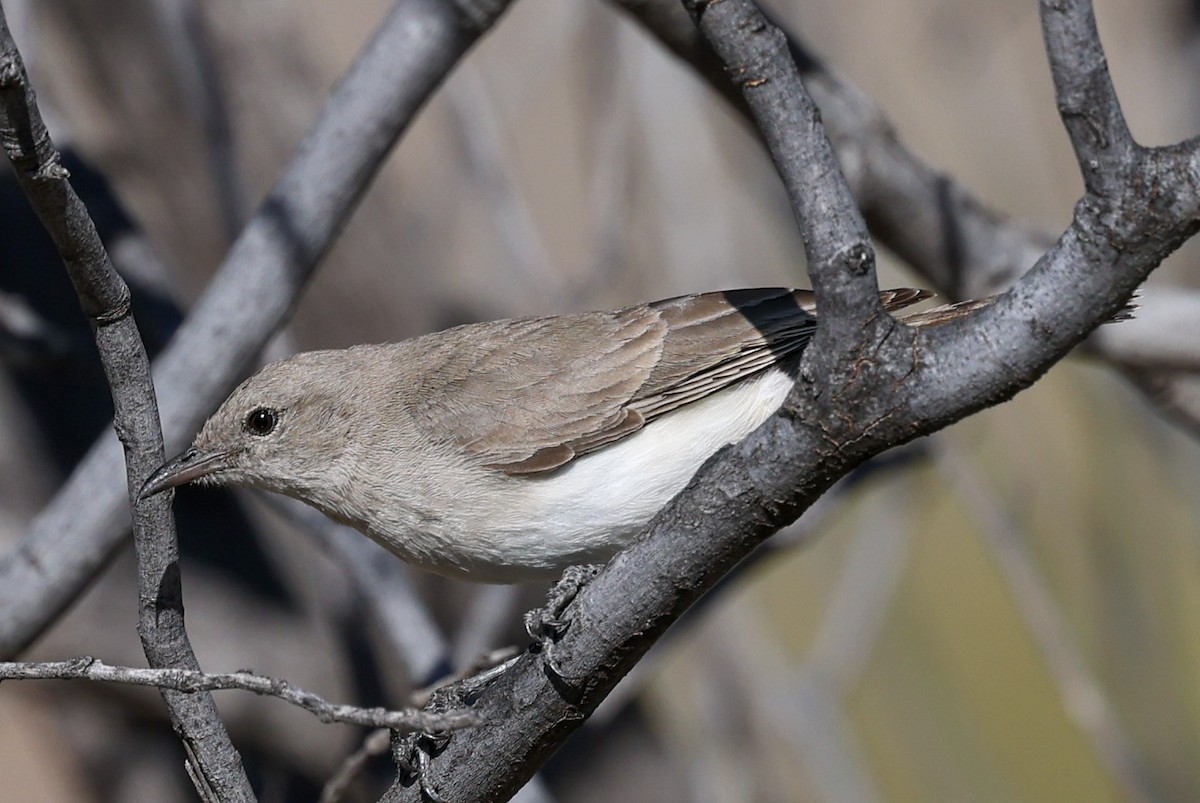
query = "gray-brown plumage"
{"x": 505, "y": 450}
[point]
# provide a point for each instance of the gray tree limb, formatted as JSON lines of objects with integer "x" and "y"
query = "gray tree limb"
{"x": 214, "y": 764}
{"x": 934, "y": 224}
{"x": 944, "y": 233}
{"x": 882, "y": 385}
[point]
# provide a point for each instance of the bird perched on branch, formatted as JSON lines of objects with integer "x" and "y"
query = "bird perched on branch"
{"x": 508, "y": 450}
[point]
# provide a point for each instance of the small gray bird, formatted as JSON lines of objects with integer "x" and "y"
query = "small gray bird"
{"x": 508, "y": 450}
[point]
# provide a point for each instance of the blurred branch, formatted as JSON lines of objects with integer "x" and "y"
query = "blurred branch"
{"x": 1176, "y": 394}
{"x": 862, "y": 596}
{"x": 807, "y": 705}
{"x": 930, "y": 221}
{"x": 182, "y": 23}
{"x": 1163, "y": 334}
{"x": 491, "y": 610}
{"x": 26, "y": 338}
{"x": 1082, "y": 693}
{"x": 802, "y": 708}
{"x": 190, "y": 682}
{"x": 481, "y": 142}
{"x": 376, "y": 744}
{"x": 215, "y": 765}
{"x": 255, "y": 289}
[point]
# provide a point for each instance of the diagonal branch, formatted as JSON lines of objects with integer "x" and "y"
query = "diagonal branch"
{"x": 841, "y": 259}
{"x": 215, "y": 764}
{"x": 946, "y": 234}
{"x": 911, "y": 384}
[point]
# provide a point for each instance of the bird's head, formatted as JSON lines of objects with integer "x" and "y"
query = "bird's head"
{"x": 283, "y": 429}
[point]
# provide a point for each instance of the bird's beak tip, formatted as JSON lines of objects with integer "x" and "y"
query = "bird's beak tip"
{"x": 151, "y": 486}
{"x": 190, "y": 465}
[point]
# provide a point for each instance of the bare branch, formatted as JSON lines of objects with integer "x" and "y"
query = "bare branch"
{"x": 935, "y": 224}
{"x": 190, "y": 682}
{"x": 924, "y": 216}
{"x": 1087, "y": 101}
{"x": 910, "y": 384}
{"x": 106, "y": 301}
{"x": 841, "y": 259}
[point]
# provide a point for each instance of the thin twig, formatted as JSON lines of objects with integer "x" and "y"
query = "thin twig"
{"x": 377, "y": 743}
{"x": 190, "y": 682}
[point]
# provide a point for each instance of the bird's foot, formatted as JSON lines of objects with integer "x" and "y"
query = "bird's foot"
{"x": 412, "y": 754}
{"x": 546, "y": 625}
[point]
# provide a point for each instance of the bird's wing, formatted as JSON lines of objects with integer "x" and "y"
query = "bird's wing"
{"x": 528, "y": 396}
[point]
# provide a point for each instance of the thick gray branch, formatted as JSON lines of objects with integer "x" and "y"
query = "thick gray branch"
{"x": 841, "y": 259}
{"x": 937, "y": 226}
{"x": 911, "y": 384}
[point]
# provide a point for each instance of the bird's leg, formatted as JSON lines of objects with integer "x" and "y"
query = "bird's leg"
{"x": 547, "y": 624}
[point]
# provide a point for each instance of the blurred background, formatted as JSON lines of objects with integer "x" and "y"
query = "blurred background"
{"x": 1009, "y": 611}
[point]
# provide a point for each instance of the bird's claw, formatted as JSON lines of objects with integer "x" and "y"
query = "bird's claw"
{"x": 546, "y": 625}
{"x": 412, "y": 753}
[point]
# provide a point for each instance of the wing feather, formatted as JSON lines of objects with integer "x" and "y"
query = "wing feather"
{"x": 528, "y": 396}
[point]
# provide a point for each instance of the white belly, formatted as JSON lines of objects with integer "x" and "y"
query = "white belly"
{"x": 597, "y": 504}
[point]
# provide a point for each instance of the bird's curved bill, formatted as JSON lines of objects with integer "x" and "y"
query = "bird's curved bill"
{"x": 189, "y": 466}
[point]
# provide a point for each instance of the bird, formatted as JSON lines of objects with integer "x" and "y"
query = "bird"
{"x": 506, "y": 451}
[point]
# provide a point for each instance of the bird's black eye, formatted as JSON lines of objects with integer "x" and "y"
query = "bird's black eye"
{"x": 262, "y": 421}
